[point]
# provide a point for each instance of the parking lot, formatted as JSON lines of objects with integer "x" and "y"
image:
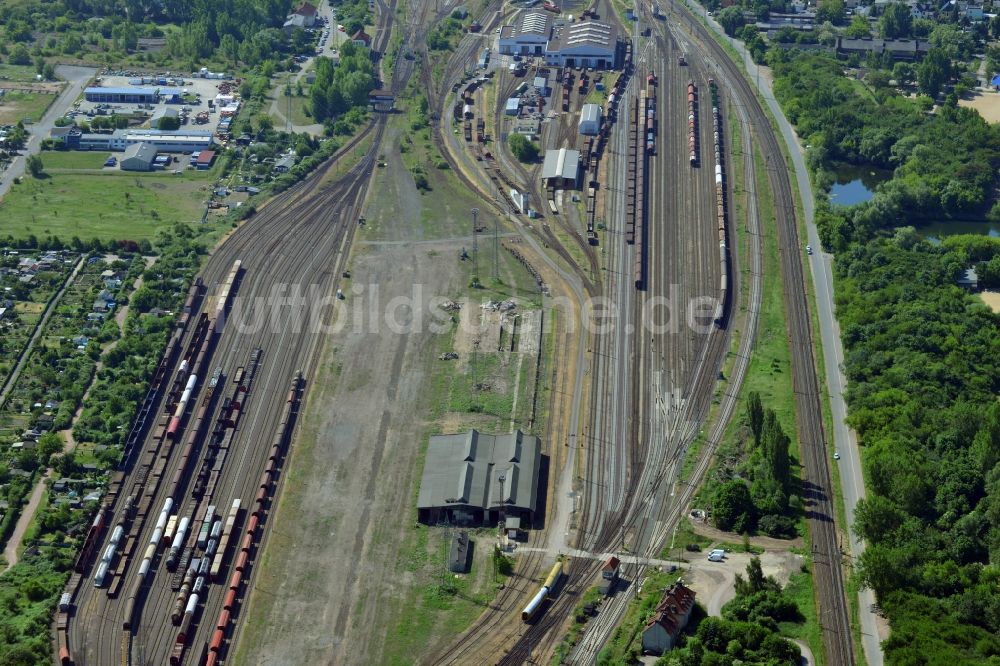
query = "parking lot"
{"x": 198, "y": 93}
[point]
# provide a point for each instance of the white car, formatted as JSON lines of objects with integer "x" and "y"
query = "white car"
{"x": 836, "y": 455}
{"x": 809, "y": 249}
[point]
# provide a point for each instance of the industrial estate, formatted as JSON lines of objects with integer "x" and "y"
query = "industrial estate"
{"x": 370, "y": 332}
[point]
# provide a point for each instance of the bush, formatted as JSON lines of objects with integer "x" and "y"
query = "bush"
{"x": 523, "y": 149}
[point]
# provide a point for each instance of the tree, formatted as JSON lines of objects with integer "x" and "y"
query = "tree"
{"x": 755, "y": 415}
{"x": 903, "y": 73}
{"x": 168, "y": 123}
{"x": 774, "y": 445}
{"x": 523, "y": 149}
{"x": 896, "y": 21}
{"x": 858, "y": 29}
{"x": 20, "y": 56}
{"x": 732, "y": 508}
{"x": 730, "y": 18}
{"x": 932, "y": 72}
{"x": 35, "y": 166}
{"x": 833, "y": 11}
{"x": 263, "y": 122}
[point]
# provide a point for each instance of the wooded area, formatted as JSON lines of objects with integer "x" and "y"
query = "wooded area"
{"x": 922, "y": 356}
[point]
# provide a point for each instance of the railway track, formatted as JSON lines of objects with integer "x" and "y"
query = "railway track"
{"x": 837, "y": 637}
{"x": 297, "y": 243}
{"x": 302, "y": 244}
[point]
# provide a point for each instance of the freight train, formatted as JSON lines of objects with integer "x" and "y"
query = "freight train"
{"x": 721, "y": 207}
{"x": 692, "y": 123}
{"x": 547, "y": 591}
{"x": 149, "y": 470}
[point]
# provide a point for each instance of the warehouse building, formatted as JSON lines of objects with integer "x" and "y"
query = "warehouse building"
{"x": 590, "y": 119}
{"x": 470, "y": 478}
{"x": 528, "y": 36}
{"x": 561, "y": 169}
{"x": 584, "y": 44}
{"x": 122, "y": 95}
{"x": 97, "y": 141}
{"x": 171, "y": 142}
{"x": 163, "y": 140}
{"x": 164, "y": 112}
{"x": 138, "y": 157}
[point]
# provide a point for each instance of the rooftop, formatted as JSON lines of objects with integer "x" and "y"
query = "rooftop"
{"x": 592, "y": 34}
{"x": 673, "y": 608}
{"x": 144, "y": 151}
{"x": 561, "y": 163}
{"x": 306, "y": 9}
{"x": 121, "y": 90}
{"x": 481, "y": 470}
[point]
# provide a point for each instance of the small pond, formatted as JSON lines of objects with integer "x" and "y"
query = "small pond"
{"x": 935, "y": 231}
{"x": 854, "y": 184}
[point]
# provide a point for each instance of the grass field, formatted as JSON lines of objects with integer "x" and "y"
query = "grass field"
{"x": 298, "y": 110}
{"x": 111, "y": 206}
{"x": 17, "y": 73}
{"x": 15, "y": 106}
{"x": 74, "y": 159}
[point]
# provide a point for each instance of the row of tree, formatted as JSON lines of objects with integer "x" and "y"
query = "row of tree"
{"x": 758, "y": 493}
{"x": 341, "y": 86}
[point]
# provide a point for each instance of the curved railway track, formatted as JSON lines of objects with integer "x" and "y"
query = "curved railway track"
{"x": 837, "y": 636}
{"x": 297, "y": 240}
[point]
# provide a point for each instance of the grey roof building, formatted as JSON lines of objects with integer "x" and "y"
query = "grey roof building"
{"x": 138, "y": 157}
{"x": 528, "y": 36}
{"x": 470, "y": 477}
{"x": 590, "y": 119}
{"x": 583, "y": 44}
{"x": 561, "y": 167}
{"x": 899, "y": 49}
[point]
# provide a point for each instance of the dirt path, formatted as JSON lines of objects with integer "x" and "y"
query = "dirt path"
{"x": 14, "y": 542}
{"x": 767, "y": 543}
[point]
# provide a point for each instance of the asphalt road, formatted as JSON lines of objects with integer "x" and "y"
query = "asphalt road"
{"x": 820, "y": 265}
{"x": 76, "y": 78}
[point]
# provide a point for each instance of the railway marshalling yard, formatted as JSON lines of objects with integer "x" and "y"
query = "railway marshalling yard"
{"x": 315, "y": 417}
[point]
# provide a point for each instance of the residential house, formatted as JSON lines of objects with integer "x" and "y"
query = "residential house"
{"x": 362, "y": 38}
{"x": 969, "y": 279}
{"x": 671, "y": 616}
{"x": 284, "y": 164}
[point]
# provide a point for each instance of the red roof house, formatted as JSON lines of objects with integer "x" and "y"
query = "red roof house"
{"x": 204, "y": 159}
{"x": 670, "y": 618}
{"x": 361, "y": 38}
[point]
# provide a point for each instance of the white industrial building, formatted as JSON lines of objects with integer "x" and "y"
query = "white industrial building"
{"x": 590, "y": 119}
{"x": 563, "y": 44}
{"x": 584, "y": 44}
{"x": 138, "y": 157}
{"x": 163, "y": 141}
{"x": 528, "y": 36}
{"x": 561, "y": 168}
{"x": 171, "y": 142}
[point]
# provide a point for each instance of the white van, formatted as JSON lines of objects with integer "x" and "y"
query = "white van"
{"x": 717, "y": 555}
